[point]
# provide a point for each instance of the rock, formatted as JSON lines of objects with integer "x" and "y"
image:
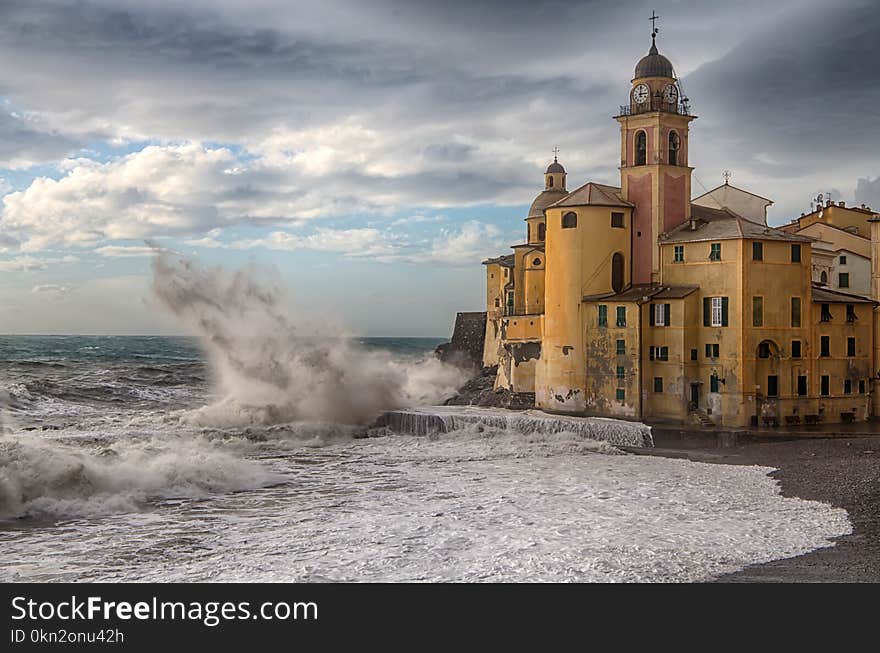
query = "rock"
{"x": 480, "y": 391}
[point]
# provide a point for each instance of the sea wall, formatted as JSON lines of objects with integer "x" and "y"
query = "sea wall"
{"x": 444, "y": 419}
{"x": 468, "y": 338}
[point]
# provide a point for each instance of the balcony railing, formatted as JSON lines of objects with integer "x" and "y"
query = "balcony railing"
{"x": 656, "y": 104}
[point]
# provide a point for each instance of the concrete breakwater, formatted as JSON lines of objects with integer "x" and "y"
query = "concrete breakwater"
{"x": 444, "y": 419}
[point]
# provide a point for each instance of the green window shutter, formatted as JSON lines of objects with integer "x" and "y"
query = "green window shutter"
{"x": 707, "y": 311}
{"x": 724, "y": 311}
{"x": 652, "y": 312}
{"x": 666, "y": 315}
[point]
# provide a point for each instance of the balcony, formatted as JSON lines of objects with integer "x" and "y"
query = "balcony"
{"x": 656, "y": 104}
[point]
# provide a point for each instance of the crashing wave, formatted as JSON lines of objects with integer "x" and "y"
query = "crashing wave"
{"x": 45, "y": 477}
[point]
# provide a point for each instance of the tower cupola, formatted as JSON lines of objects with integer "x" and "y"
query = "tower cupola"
{"x": 554, "y": 177}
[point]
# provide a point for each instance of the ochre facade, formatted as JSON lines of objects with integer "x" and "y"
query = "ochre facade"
{"x": 634, "y": 301}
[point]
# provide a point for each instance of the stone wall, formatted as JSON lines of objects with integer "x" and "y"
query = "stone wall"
{"x": 468, "y": 338}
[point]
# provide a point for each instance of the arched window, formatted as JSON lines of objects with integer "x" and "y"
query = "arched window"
{"x": 641, "y": 148}
{"x": 549, "y": 181}
{"x": 542, "y": 231}
{"x": 674, "y": 145}
{"x": 569, "y": 220}
{"x": 617, "y": 272}
{"x": 823, "y": 278}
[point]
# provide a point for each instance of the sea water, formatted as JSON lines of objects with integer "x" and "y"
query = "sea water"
{"x": 110, "y": 471}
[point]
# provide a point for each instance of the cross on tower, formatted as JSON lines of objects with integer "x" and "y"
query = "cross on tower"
{"x": 654, "y": 18}
{"x": 726, "y": 175}
{"x": 555, "y": 154}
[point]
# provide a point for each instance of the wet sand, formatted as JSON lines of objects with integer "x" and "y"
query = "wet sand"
{"x": 843, "y": 470}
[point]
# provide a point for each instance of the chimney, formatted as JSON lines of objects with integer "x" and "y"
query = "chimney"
{"x": 693, "y": 224}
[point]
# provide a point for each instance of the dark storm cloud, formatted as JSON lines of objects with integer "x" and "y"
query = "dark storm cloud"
{"x": 797, "y": 100}
{"x": 461, "y": 101}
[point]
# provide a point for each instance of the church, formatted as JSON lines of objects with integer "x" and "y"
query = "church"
{"x": 640, "y": 302}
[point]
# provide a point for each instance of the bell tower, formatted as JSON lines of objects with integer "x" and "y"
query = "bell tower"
{"x": 654, "y": 171}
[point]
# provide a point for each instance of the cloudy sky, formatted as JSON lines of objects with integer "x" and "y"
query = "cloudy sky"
{"x": 374, "y": 152}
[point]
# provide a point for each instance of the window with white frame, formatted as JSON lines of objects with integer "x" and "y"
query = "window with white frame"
{"x": 716, "y": 312}
{"x": 661, "y": 314}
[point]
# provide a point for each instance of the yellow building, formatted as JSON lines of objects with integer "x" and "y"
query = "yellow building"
{"x": 635, "y": 301}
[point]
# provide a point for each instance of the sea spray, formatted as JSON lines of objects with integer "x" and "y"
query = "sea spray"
{"x": 271, "y": 367}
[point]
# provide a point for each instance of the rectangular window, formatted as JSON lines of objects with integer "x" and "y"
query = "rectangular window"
{"x": 795, "y": 311}
{"x": 850, "y": 347}
{"x": 693, "y": 354}
{"x": 715, "y": 252}
{"x": 861, "y": 386}
{"x": 659, "y": 314}
{"x": 510, "y": 306}
{"x": 621, "y": 316}
{"x": 712, "y": 350}
{"x": 843, "y": 280}
{"x": 795, "y": 253}
{"x": 717, "y": 311}
{"x": 795, "y": 348}
{"x": 825, "y": 385}
{"x": 679, "y": 254}
{"x": 843, "y": 260}
{"x": 825, "y": 346}
{"x": 773, "y": 386}
{"x": 757, "y": 311}
{"x": 757, "y": 251}
{"x": 617, "y": 220}
{"x": 658, "y": 384}
{"x": 603, "y": 315}
{"x": 713, "y": 383}
{"x": 620, "y": 394}
{"x": 621, "y": 347}
{"x": 850, "y": 313}
{"x": 802, "y": 386}
{"x": 620, "y": 373}
{"x": 825, "y": 313}
{"x": 847, "y": 387}
{"x": 662, "y": 353}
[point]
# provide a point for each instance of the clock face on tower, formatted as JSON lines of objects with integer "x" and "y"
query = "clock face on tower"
{"x": 670, "y": 94}
{"x": 641, "y": 93}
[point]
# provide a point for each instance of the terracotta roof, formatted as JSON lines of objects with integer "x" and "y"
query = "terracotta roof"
{"x": 504, "y": 261}
{"x": 592, "y": 194}
{"x": 724, "y": 224}
{"x": 536, "y": 246}
{"x": 826, "y": 296}
{"x": 645, "y": 292}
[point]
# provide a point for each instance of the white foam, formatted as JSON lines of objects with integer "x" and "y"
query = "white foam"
{"x": 472, "y": 505}
{"x": 46, "y": 477}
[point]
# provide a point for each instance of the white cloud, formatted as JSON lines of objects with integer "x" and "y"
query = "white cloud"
{"x": 350, "y": 242}
{"x": 127, "y": 251}
{"x": 466, "y": 246}
{"x": 55, "y": 290}
{"x": 23, "y": 264}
